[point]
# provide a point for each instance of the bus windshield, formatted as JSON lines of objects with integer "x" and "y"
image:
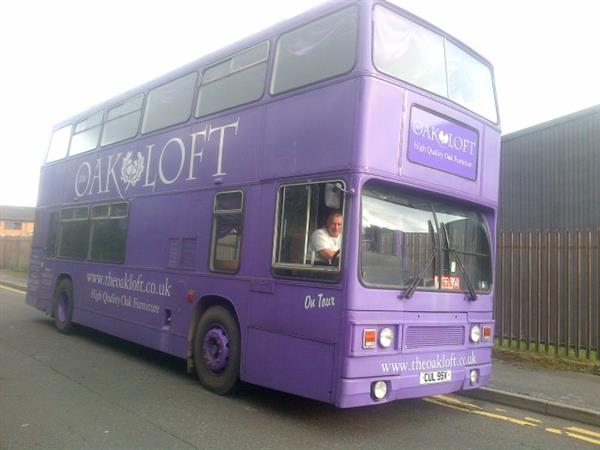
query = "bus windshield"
{"x": 408, "y": 239}
{"x": 419, "y": 56}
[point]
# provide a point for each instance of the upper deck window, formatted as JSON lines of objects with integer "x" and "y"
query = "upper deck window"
{"x": 59, "y": 144}
{"x": 122, "y": 121}
{"x": 235, "y": 81}
{"x": 317, "y": 51}
{"x": 419, "y": 56}
{"x": 86, "y": 134}
{"x": 170, "y": 103}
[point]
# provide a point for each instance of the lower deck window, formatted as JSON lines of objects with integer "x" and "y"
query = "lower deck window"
{"x": 227, "y": 232}
{"x": 109, "y": 232}
{"x": 101, "y": 236}
{"x": 74, "y": 232}
{"x": 308, "y": 236}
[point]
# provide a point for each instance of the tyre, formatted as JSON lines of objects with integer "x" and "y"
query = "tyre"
{"x": 62, "y": 308}
{"x": 217, "y": 350}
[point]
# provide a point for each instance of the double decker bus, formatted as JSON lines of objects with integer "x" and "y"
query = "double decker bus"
{"x": 182, "y": 215}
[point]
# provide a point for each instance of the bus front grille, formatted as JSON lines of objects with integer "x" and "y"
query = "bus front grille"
{"x": 424, "y": 337}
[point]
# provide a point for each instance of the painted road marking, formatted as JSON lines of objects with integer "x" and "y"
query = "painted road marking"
{"x": 584, "y": 431}
{"x": 531, "y": 419}
{"x": 583, "y": 438}
{"x": 447, "y": 405}
{"x": 450, "y": 402}
{"x": 455, "y": 401}
{"x": 573, "y": 432}
{"x": 505, "y": 418}
{"x": 16, "y": 291}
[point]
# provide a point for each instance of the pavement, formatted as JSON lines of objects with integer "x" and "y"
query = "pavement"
{"x": 12, "y": 279}
{"x": 567, "y": 394}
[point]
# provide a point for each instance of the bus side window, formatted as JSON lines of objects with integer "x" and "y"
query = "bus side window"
{"x": 170, "y": 103}
{"x": 303, "y": 212}
{"x": 52, "y": 235}
{"x": 227, "y": 232}
{"x": 235, "y": 81}
{"x": 109, "y": 232}
{"x": 74, "y": 232}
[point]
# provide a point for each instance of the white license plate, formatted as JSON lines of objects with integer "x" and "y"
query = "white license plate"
{"x": 435, "y": 377}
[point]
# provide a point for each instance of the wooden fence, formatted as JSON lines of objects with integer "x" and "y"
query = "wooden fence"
{"x": 15, "y": 252}
{"x": 547, "y": 291}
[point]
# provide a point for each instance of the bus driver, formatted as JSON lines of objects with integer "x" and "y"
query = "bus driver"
{"x": 325, "y": 242}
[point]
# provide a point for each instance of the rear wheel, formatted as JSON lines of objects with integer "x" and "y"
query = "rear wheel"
{"x": 217, "y": 350}
{"x": 62, "y": 308}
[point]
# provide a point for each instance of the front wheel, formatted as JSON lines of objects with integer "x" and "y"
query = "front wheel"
{"x": 62, "y": 308}
{"x": 217, "y": 350}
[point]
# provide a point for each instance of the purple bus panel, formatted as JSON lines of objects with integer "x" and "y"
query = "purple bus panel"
{"x": 195, "y": 239}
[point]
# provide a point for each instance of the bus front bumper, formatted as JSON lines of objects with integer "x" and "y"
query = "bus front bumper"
{"x": 360, "y": 391}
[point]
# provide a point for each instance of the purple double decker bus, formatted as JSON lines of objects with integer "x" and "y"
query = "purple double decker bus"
{"x": 312, "y": 209}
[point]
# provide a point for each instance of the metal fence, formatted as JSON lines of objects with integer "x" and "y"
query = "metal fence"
{"x": 15, "y": 252}
{"x": 547, "y": 290}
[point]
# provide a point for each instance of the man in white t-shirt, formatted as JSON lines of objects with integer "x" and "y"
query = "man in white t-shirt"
{"x": 325, "y": 242}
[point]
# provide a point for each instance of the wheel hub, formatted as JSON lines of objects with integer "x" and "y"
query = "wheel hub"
{"x": 215, "y": 349}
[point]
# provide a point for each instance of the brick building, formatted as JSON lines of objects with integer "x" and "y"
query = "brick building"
{"x": 16, "y": 220}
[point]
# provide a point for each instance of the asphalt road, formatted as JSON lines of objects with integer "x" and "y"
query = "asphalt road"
{"x": 91, "y": 390}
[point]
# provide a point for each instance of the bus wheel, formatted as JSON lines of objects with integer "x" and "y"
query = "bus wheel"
{"x": 217, "y": 350}
{"x": 62, "y": 309}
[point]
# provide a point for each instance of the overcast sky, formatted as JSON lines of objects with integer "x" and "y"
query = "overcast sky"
{"x": 60, "y": 57}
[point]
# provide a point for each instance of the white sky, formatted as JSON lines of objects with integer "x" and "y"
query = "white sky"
{"x": 61, "y": 57}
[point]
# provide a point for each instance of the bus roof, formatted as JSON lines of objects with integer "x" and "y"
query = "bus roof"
{"x": 267, "y": 34}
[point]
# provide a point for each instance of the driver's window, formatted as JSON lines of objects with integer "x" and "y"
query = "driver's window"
{"x": 308, "y": 235}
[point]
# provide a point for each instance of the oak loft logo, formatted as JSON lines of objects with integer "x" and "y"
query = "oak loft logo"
{"x": 131, "y": 171}
{"x": 100, "y": 176}
{"x": 443, "y": 138}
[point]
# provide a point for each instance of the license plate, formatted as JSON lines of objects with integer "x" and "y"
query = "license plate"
{"x": 435, "y": 377}
{"x": 449, "y": 283}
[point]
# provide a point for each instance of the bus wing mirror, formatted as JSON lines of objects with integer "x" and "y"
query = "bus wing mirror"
{"x": 333, "y": 195}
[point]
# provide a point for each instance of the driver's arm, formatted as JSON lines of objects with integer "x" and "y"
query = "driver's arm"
{"x": 327, "y": 253}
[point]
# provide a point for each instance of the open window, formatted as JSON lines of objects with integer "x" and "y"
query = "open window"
{"x": 227, "y": 232}
{"x": 308, "y": 234}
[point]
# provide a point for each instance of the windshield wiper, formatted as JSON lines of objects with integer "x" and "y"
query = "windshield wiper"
{"x": 410, "y": 289}
{"x": 472, "y": 294}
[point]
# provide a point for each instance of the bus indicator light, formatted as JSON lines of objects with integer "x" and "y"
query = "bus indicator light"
{"x": 487, "y": 332}
{"x": 190, "y": 296}
{"x": 369, "y": 338}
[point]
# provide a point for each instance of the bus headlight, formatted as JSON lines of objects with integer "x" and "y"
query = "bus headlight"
{"x": 474, "y": 377}
{"x": 386, "y": 337}
{"x": 379, "y": 390}
{"x": 475, "y": 334}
